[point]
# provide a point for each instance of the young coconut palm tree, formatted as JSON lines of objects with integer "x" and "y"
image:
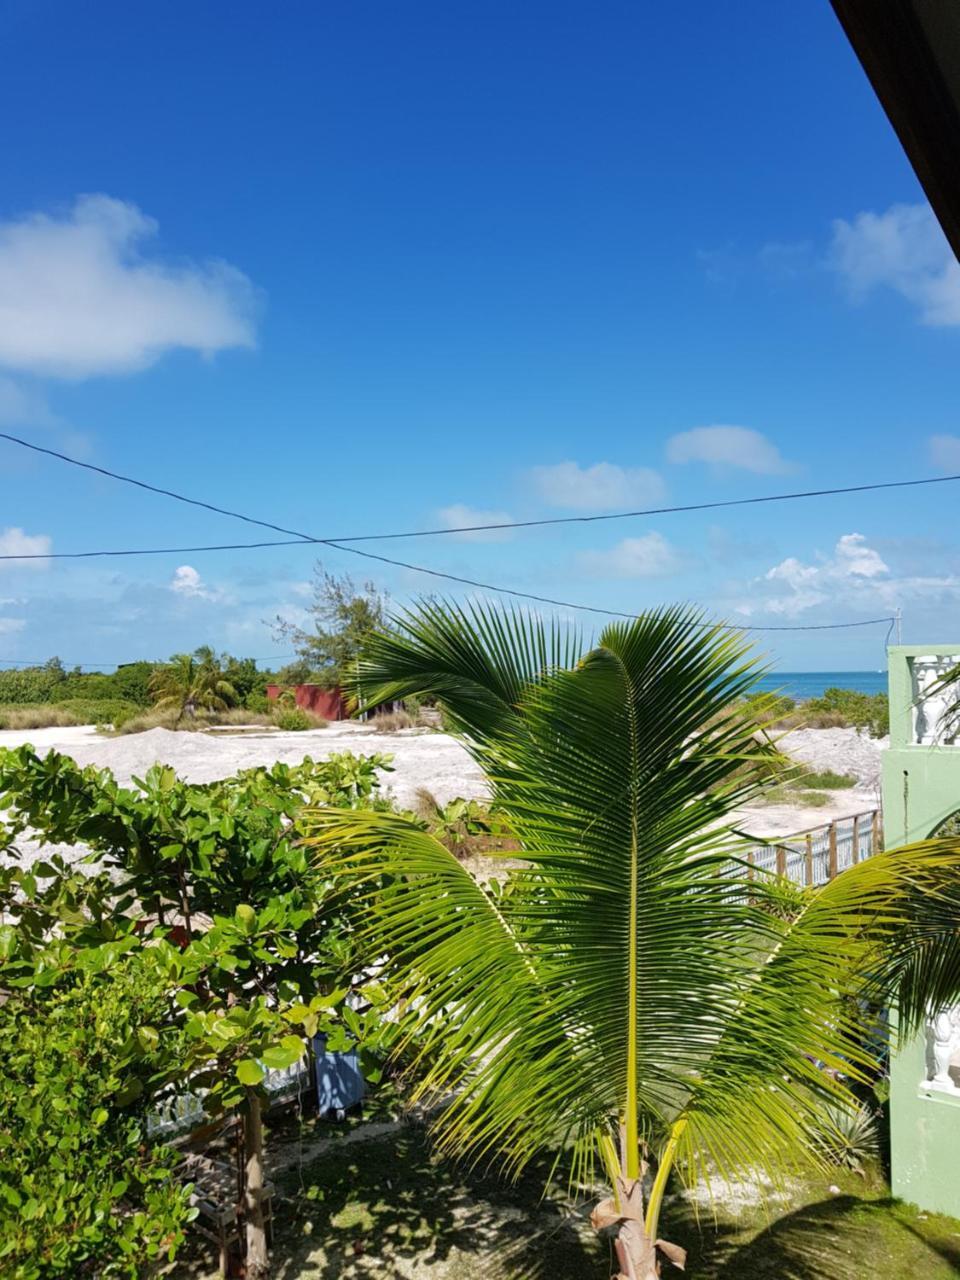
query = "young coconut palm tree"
{"x": 191, "y": 682}
{"x": 624, "y": 992}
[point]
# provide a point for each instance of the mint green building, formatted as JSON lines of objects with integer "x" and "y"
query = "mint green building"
{"x": 921, "y": 790}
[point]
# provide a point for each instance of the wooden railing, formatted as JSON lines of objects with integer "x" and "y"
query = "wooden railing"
{"x": 820, "y": 854}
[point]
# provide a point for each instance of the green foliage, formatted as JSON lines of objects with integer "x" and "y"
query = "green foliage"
{"x": 848, "y": 1135}
{"x": 293, "y": 719}
{"x": 189, "y": 683}
{"x": 625, "y": 988}
{"x": 257, "y": 702}
{"x": 345, "y": 616}
{"x": 80, "y": 1191}
{"x": 862, "y": 710}
{"x": 31, "y": 684}
{"x": 112, "y": 711}
{"x": 212, "y": 890}
{"x": 826, "y": 780}
{"x": 52, "y": 684}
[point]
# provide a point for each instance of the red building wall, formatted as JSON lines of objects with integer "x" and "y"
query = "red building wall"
{"x": 328, "y": 703}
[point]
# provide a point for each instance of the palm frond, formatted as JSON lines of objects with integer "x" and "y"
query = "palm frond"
{"x": 476, "y": 659}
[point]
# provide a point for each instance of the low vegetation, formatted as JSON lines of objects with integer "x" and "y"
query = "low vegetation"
{"x": 834, "y": 709}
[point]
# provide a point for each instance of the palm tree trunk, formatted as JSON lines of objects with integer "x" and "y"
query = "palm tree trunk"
{"x": 258, "y": 1260}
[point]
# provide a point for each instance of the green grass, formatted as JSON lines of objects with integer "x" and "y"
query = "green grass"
{"x": 390, "y": 1207}
{"x": 827, "y": 780}
{"x": 796, "y": 796}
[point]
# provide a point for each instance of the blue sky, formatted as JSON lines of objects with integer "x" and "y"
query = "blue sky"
{"x": 356, "y": 268}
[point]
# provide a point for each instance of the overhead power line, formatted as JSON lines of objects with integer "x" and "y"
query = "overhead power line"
{"x": 339, "y": 544}
{"x": 472, "y": 528}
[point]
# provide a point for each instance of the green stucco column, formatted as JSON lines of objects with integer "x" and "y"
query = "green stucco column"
{"x": 921, "y": 788}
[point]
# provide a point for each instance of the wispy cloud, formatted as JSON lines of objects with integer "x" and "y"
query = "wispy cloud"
{"x": 904, "y": 250}
{"x": 945, "y": 452}
{"x": 604, "y": 486}
{"x": 457, "y": 515}
{"x": 726, "y": 446}
{"x": 79, "y": 296}
{"x": 649, "y": 556}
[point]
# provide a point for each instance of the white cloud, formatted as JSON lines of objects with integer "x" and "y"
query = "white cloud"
{"x": 905, "y": 250}
{"x": 187, "y": 582}
{"x": 854, "y": 576}
{"x": 724, "y": 446}
{"x": 78, "y": 296}
{"x": 649, "y": 556}
{"x": 10, "y": 626}
{"x": 945, "y": 452}
{"x": 15, "y": 542}
{"x": 457, "y": 515}
{"x": 601, "y": 487}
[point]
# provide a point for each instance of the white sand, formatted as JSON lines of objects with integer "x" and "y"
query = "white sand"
{"x": 436, "y": 761}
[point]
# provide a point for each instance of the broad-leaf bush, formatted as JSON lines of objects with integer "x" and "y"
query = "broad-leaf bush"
{"x": 81, "y": 1192}
{"x": 252, "y": 949}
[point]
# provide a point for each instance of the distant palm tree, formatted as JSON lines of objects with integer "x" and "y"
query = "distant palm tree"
{"x": 189, "y": 683}
{"x": 632, "y": 989}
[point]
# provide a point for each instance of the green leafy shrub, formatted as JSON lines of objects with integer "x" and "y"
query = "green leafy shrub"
{"x": 295, "y": 720}
{"x": 31, "y": 685}
{"x": 81, "y": 1193}
{"x": 870, "y": 711}
{"x": 257, "y": 702}
{"x": 212, "y": 886}
{"x": 102, "y": 711}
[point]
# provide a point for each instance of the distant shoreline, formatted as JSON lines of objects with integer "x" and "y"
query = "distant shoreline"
{"x": 803, "y": 685}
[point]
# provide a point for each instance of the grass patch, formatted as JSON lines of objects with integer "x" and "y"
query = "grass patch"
{"x": 44, "y": 716}
{"x": 391, "y": 721}
{"x": 798, "y": 797}
{"x": 826, "y": 780}
{"x": 191, "y": 724}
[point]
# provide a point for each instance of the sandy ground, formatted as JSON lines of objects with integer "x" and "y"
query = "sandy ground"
{"x": 422, "y": 758}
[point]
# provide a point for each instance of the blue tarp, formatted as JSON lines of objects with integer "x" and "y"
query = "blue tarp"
{"x": 340, "y": 1083}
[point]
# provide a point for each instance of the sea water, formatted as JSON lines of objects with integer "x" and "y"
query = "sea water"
{"x": 800, "y": 685}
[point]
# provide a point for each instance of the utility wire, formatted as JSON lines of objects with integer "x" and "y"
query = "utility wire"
{"x": 480, "y": 528}
{"x": 301, "y": 538}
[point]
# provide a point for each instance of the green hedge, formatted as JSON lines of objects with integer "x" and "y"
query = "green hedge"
{"x": 82, "y": 1193}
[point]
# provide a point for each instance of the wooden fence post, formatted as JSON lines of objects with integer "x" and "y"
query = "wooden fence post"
{"x": 875, "y": 832}
{"x": 856, "y": 839}
{"x": 809, "y": 859}
{"x": 781, "y": 860}
{"x": 832, "y": 864}
{"x": 750, "y": 861}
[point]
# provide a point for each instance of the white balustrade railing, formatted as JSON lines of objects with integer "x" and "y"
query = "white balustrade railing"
{"x": 929, "y": 702}
{"x": 943, "y": 1046}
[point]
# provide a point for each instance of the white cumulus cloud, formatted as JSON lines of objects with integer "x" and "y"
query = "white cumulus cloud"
{"x": 945, "y": 452}
{"x": 15, "y": 542}
{"x": 79, "y": 295}
{"x": 854, "y": 576}
{"x": 458, "y": 515}
{"x": 649, "y": 556}
{"x": 186, "y": 581}
{"x": 604, "y": 486}
{"x": 905, "y": 250}
{"x": 726, "y": 446}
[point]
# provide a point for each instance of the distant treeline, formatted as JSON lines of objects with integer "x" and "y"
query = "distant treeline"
{"x": 97, "y": 696}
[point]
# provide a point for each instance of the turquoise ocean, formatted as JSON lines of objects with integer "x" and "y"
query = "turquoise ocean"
{"x": 811, "y": 684}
